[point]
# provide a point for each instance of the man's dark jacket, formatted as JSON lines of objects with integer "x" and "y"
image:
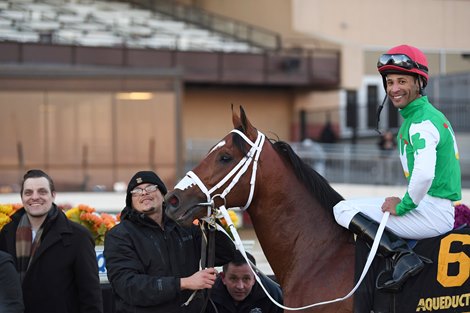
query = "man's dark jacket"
{"x": 256, "y": 302}
{"x": 11, "y": 296}
{"x": 63, "y": 275}
{"x": 145, "y": 263}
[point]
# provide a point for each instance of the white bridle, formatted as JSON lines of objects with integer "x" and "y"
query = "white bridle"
{"x": 236, "y": 173}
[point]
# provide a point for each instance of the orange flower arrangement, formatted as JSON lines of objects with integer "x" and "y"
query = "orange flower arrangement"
{"x": 97, "y": 224}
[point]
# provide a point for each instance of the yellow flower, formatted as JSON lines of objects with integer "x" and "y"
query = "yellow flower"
{"x": 233, "y": 216}
{"x": 73, "y": 214}
{"x": 4, "y": 219}
{"x": 7, "y": 210}
{"x": 235, "y": 220}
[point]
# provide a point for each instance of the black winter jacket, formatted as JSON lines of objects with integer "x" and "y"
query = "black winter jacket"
{"x": 63, "y": 275}
{"x": 145, "y": 263}
{"x": 11, "y": 296}
{"x": 255, "y": 302}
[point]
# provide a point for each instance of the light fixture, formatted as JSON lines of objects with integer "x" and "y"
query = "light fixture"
{"x": 134, "y": 95}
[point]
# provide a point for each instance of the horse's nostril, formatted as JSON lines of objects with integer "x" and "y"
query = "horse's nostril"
{"x": 173, "y": 201}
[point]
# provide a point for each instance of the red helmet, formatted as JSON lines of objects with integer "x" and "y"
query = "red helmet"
{"x": 404, "y": 59}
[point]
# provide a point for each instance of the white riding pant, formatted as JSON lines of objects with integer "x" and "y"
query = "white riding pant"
{"x": 433, "y": 216}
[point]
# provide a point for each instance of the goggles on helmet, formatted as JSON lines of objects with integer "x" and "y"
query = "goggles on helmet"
{"x": 400, "y": 60}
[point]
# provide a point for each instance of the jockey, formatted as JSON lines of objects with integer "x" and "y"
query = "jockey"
{"x": 430, "y": 160}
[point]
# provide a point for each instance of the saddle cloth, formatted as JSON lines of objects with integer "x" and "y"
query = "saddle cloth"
{"x": 443, "y": 286}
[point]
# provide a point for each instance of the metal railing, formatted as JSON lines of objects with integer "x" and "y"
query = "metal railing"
{"x": 339, "y": 162}
{"x": 456, "y": 110}
{"x": 352, "y": 163}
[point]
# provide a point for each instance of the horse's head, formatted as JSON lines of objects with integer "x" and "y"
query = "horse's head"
{"x": 221, "y": 178}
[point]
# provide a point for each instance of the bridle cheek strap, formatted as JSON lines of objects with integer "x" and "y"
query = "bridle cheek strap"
{"x": 237, "y": 172}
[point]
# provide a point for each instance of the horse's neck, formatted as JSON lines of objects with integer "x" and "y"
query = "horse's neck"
{"x": 293, "y": 223}
{"x": 306, "y": 254}
{"x": 310, "y": 254}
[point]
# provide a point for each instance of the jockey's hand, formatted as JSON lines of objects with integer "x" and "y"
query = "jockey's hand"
{"x": 202, "y": 279}
{"x": 390, "y": 205}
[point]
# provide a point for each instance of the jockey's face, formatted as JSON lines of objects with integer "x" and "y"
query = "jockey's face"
{"x": 402, "y": 89}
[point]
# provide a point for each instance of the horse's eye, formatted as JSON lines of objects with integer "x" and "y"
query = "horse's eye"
{"x": 225, "y": 158}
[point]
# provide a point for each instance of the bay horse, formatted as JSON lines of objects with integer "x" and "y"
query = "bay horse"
{"x": 290, "y": 206}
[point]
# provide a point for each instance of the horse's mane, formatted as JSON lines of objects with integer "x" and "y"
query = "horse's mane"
{"x": 317, "y": 185}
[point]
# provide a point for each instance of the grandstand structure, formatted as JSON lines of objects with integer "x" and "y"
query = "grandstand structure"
{"x": 209, "y": 48}
{"x": 80, "y": 79}
{"x": 107, "y": 24}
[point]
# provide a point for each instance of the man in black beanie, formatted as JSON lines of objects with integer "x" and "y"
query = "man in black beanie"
{"x": 153, "y": 263}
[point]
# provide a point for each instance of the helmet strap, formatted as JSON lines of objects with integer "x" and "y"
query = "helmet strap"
{"x": 420, "y": 85}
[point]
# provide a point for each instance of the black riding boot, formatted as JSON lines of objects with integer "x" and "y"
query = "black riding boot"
{"x": 405, "y": 263}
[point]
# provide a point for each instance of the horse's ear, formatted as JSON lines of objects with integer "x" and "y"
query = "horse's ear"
{"x": 248, "y": 129}
{"x": 236, "y": 119}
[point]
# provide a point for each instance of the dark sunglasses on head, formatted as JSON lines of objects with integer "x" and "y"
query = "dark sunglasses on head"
{"x": 400, "y": 60}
